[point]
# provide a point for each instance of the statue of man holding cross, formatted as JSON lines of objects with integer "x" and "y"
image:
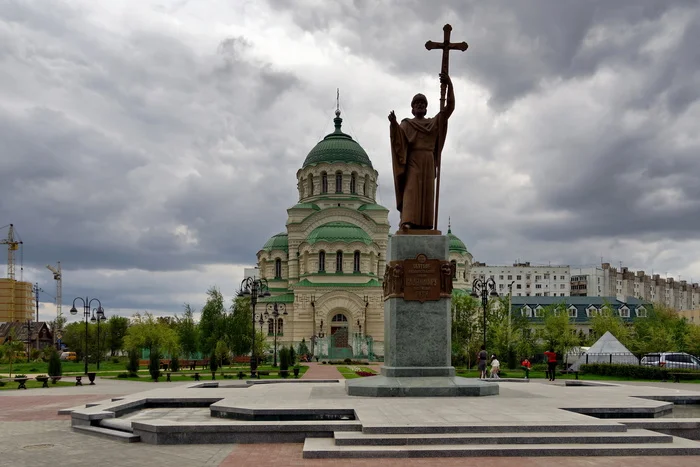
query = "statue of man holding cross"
{"x": 416, "y": 148}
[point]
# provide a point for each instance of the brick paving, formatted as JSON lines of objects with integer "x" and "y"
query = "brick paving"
{"x": 31, "y": 434}
{"x": 291, "y": 455}
{"x": 45, "y": 407}
{"x": 320, "y": 371}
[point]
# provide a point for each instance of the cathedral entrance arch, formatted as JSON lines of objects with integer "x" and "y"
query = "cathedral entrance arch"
{"x": 340, "y": 336}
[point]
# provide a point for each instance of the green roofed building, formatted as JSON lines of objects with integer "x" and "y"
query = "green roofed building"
{"x": 327, "y": 267}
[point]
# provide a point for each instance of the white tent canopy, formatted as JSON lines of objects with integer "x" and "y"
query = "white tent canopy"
{"x": 607, "y": 349}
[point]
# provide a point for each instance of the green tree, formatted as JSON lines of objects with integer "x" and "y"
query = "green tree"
{"x": 557, "y": 331}
{"x": 146, "y": 332}
{"x": 694, "y": 339}
{"x": 12, "y": 349}
{"x": 210, "y": 323}
{"x": 465, "y": 341}
{"x": 261, "y": 345}
{"x": 239, "y": 326}
{"x": 55, "y": 367}
{"x": 213, "y": 366}
{"x": 116, "y": 328}
{"x": 658, "y": 331}
{"x": 221, "y": 352}
{"x": 188, "y": 333}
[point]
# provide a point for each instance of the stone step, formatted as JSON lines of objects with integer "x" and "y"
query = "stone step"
{"x": 524, "y": 427}
{"x": 118, "y": 424}
{"x": 325, "y": 448}
{"x": 348, "y": 438}
{"x": 114, "y": 435}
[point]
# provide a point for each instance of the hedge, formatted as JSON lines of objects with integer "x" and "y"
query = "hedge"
{"x": 632, "y": 371}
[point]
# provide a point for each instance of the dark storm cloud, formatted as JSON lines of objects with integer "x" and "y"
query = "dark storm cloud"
{"x": 165, "y": 143}
{"x": 92, "y": 142}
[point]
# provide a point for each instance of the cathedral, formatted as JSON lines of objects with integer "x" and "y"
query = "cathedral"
{"x": 325, "y": 271}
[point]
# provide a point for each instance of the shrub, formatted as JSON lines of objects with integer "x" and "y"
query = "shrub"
{"x": 348, "y": 361}
{"x": 631, "y": 371}
{"x": 55, "y": 366}
{"x": 154, "y": 364}
{"x": 20, "y": 376}
{"x": 292, "y": 355}
{"x": 132, "y": 364}
{"x": 115, "y": 360}
{"x": 284, "y": 362}
{"x": 174, "y": 363}
{"x": 123, "y": 375}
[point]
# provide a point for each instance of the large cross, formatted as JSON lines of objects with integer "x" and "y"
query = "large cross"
{"x": 446, "y": 46}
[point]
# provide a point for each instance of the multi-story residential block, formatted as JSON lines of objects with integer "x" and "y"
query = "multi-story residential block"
{"x": 525, "y": 279}
{"x": 606, "y": 281}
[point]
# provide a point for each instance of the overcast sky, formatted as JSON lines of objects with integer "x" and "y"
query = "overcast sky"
{"x": 151, "y": 146}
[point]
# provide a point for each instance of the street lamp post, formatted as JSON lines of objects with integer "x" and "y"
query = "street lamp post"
{"x": 253, "y": 288}
{"x": 273, "y": 309}
{"x": 86, "y": 312}
{"x": 100, "y": 317}
{"x": 484, "y": 289}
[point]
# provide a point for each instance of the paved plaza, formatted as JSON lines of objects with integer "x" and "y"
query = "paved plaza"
{"x": 32, "y": 434}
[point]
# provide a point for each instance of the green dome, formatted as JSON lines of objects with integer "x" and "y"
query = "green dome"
{"x": 306, "y": 206}
{"x": 277, "y": 242}
{"x": 455, "y": 243}
{"x": 337, "y": 147}
{"x": 339, "y": 232}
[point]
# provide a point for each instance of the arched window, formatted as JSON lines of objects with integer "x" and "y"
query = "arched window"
{"x": 324, "y": 182}
{"x": 270, "y": 327}
{"x": 453, "y": 263}
{"x": 339, "y": 182}
{"x": 339, "y": 261}
{"x": 278, "y": 268}
{"x": 356, "y": 262}
{"x": 365, "y": 189}
{"x": 353, "y": 183}
{"x": 311, "y": 185}
{"x": 280, "y": 326}
{"x": 340, "y": 318}
{"x": 321, "y": 261}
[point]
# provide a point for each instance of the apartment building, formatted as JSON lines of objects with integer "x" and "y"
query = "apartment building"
{"x": 607, "y": 281}
{"x": 526, "y": 280}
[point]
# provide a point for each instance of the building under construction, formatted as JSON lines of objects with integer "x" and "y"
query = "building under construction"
{"x": 16, "y": 301}
{"x": 16, "y": 297}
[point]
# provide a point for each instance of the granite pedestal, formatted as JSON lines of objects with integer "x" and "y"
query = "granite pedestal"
{"x": 417, "y": 339}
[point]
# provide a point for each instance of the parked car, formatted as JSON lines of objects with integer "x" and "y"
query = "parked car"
{"x": 69, "y": 356}
{"x": 672, "y": 360}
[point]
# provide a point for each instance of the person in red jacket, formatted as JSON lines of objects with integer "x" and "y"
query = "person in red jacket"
{"x": 551, "y": 363}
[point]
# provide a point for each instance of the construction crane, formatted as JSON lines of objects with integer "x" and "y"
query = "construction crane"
{"x": 12, "y": 246}
{"x": 59, "y": 291}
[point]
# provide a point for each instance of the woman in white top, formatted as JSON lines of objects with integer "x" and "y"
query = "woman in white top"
{"x": 495, "y": 367}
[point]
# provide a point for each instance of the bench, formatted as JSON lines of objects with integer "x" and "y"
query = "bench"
{"x": 677, "y": 376}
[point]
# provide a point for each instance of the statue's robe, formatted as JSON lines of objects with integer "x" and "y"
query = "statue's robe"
{"x": 416, "y": 145}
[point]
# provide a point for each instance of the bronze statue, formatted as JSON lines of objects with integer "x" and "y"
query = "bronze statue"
{"x": 416, "y": 148}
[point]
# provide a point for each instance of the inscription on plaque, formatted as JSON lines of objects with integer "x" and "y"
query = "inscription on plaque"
{"x": 419, "y": 279}
{"x": 422, "y": 279}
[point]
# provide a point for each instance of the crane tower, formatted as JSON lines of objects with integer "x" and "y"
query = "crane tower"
{"x": 59, "y": 287}
{"x": 12, "y": 246}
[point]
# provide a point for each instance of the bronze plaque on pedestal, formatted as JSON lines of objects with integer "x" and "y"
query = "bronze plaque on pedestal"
{"x": 419, "y": 279}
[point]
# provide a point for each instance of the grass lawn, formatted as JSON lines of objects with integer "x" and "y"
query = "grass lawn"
{"x": 29, "y": 368}
{"x": 348, "y": 372}
{"x": 205, "y": 375}
{"x": 32, "y": 384}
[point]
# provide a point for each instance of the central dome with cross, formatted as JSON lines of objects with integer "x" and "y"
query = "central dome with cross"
{"x": 327, "y": 266}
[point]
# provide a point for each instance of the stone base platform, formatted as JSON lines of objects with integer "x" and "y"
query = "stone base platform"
{"x": 435, "y": 386}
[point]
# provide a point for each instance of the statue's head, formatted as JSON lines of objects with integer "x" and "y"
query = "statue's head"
{"x": 419, "y": 105}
